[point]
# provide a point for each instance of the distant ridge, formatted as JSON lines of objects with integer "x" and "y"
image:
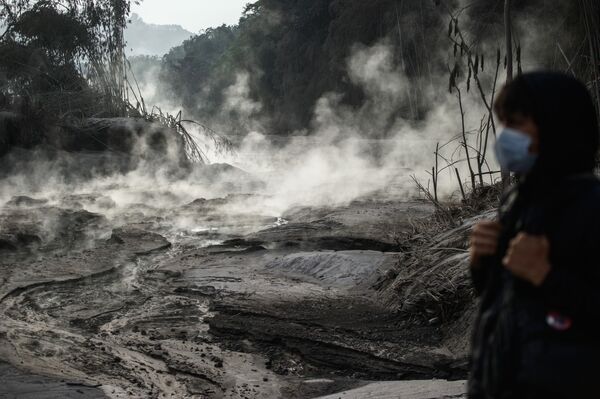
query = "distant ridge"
{"x": 151, "y": 39}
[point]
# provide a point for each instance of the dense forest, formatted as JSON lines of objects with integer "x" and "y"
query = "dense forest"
{"x": 65, "y": 81}
{"x": 67, "y": 59}
{"x": 59, "y": 49}
{"x": 293, "y": 52}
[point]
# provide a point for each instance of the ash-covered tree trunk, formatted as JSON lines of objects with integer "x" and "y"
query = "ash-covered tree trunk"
{"x": 509, "y": 46}
{"x": 509, "y": 65}
{"x": 591, "y": 20}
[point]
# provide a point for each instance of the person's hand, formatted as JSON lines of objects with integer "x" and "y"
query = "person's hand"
{"x": 527, "y": 257}
{"x": 484, "y": 240}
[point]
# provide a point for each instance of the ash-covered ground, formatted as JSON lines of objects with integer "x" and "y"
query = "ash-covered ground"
{"x": 122, "y": 289}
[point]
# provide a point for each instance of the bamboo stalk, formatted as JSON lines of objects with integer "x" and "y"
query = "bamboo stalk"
{"x": 462, "y": 190}
{"x": 509, "y": 44}
{"x": 464, "y": 136}
{"x": 592, "y": 26}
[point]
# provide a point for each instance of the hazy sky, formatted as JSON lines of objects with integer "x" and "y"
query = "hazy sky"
{"x": 193, "y": 15}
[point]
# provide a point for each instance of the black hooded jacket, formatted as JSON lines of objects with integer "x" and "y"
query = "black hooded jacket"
{"x": 544, "y": 342}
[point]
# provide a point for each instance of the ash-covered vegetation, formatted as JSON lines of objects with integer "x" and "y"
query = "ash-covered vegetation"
{"x": 66, "y": 55}
{"x": 294, "y": 52}
{"x": 66, "y": 85}
{"x": 133, "y": 267}
{"x": 65, "y": 61}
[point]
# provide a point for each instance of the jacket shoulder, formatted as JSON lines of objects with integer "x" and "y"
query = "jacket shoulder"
{"x": 588, "y": 193}
{"x": 584, "y": 208}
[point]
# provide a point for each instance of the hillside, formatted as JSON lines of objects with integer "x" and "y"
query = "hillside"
{"x": 151, "y": 39}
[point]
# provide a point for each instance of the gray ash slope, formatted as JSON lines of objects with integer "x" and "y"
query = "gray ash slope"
{"x": 144, "y": 294}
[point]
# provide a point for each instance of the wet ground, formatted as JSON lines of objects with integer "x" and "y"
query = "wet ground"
{"x": 122, "y": 292}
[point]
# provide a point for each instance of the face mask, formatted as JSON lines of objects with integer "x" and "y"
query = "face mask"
{"x": 512, "y": 151}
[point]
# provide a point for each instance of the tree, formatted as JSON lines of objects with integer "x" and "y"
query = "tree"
{"x": 62, "y": 46}
{"x": 591, "y": 19}
{"x": 509, "y": 64}
{"x": 297, "y": 51}
{"x": 509, "y": 45}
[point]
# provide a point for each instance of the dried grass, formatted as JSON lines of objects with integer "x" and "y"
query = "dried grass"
{"x": 193, "y": 150}
{"x": 430, "y": 283}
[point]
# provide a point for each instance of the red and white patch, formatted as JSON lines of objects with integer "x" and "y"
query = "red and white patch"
{"x": 559, "y": 321}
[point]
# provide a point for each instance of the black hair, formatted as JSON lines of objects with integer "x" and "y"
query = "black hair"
{"x": 513, "y": 100}
{"x": 565, "y": 114}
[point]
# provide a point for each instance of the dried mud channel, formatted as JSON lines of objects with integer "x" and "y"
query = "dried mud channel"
{"x": 208, "y": 299}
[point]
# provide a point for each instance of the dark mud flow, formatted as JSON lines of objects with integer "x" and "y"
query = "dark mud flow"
{"x": 123, "y": 293}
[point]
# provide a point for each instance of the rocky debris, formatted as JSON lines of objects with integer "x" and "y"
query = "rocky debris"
{"x": 23, "y": 385}
{"x": 238, "y": 246}
{"x": 18, "y": 240}
{"x": 61, "y": 246}
{"x": 213, "y": 204}
{"x": 345, "y": 336}
{"x": 68, "y": 229}
{"x": 80, "y": 201}
{"x": 436, "y": 389}
{"x": 321, "y": 235}
{"x": 340, "y": 268}
{"x": 361, "y": 225}
{"x": 139, "y": 242}
{"x": 47, "y": 227}
{"x": 252, "y": 315}
{"x": 25, "y": 201}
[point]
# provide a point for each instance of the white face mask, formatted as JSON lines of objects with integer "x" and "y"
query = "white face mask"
{"x": 512, "y": 151}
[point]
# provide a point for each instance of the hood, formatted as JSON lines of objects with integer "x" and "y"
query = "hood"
{"x": 566, "y": 116}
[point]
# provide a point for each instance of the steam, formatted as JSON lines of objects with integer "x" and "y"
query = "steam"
{"x": 373, "y": 69}
{"x": 238, "y": 98}
{"x": 347, "y": 154}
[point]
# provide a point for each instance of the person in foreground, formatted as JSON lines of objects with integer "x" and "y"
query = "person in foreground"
{"x": 537, "y": 268}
